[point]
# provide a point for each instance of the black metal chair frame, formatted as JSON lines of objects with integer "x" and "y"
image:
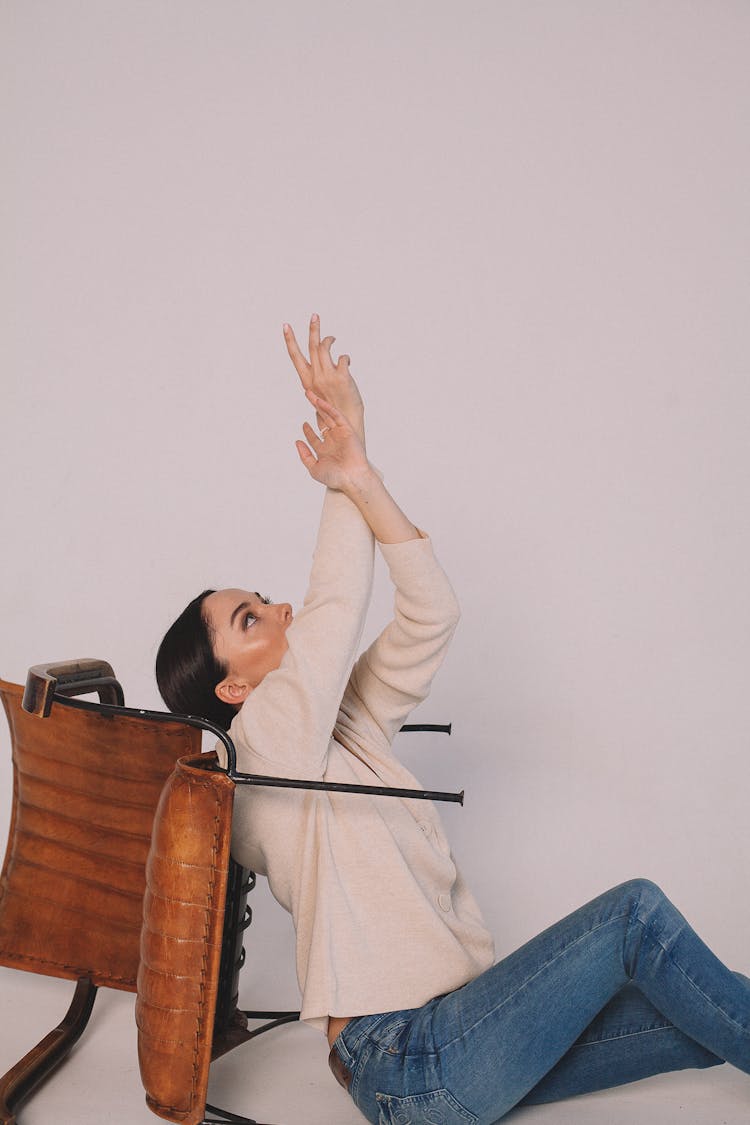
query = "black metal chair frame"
{"x": 58, "y": 684}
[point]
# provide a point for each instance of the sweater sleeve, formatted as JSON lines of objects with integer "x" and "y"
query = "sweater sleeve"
{"x": 395, "y": 673}
{"x": 285, "y": 725}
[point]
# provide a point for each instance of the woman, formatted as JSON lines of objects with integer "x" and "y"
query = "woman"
{"x": 394, "y": 961}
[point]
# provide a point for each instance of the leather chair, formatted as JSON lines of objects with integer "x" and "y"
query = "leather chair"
{"x": 85, "y": 790}
{"x": 135, "y": 775}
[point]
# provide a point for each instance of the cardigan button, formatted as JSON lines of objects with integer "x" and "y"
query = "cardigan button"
{"x": 444, "y": 901}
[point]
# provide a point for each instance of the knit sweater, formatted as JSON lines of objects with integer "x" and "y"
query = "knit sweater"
{"x": 383, "y": 917}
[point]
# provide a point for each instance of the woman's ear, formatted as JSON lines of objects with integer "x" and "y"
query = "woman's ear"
{"x": 232, "y": 690}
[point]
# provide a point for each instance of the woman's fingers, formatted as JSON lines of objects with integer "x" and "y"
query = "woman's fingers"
{"x": 320, "y": 354}
{"x": 305, "y": 455}
{"x": 334, "y": 380}
{"x": 320, "y": 350}
{"x": 324, "y": 355}
{"x": 314, "y": 337}
{"x": 327, "y": 411}
{"x": 323, "y": 410}
{"x": 303, "y": 368}
{"x": 314, "y": 439}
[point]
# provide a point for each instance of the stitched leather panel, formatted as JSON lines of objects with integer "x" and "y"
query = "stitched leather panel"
{"x": 85, "y": 789}
{"x": 183, "y": 920}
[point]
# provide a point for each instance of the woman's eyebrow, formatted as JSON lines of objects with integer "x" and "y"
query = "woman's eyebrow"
{"x": 239, "y": 609}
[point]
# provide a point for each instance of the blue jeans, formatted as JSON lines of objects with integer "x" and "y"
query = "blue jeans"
{"x": 619, "y": 990}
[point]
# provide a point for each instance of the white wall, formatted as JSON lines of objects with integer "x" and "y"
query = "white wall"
{"x": 528, "y": 224}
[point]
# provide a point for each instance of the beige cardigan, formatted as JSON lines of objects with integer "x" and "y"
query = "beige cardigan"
{"x": 383, "y": 918}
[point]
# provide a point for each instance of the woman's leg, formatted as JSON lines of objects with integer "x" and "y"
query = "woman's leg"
{"x": 627, "y": 1041}
{"x": 491, "y": 1042}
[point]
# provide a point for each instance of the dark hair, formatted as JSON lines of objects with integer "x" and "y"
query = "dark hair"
{"x": 187, "y": 670}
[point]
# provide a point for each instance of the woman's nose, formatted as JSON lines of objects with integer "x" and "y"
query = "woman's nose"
{"x": 285, "y": 612}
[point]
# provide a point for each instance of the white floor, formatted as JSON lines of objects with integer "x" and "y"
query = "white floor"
{"x": 283, "y": 1078}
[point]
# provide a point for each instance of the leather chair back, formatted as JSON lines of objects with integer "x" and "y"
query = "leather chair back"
{"x": 85, "y": 790}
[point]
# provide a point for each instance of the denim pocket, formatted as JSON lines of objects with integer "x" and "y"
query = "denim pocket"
{"x": 436, "y": 1108}
{"x": 388, "y": 1035}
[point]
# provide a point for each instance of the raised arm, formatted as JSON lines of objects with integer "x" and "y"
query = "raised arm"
{"x": 288, "y": 719}
{"x": 397, "y": 670}
{"x": 330, "y": 386}
{"x": 284, "y": 726}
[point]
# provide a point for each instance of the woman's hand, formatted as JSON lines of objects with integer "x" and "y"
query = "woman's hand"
{"x": 330, "y": 381}
{"x": 336, "y": 457}
{"x": 338, "y": 460}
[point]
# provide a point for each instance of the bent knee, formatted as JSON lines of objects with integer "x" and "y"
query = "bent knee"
{"x": 645, "y": 891}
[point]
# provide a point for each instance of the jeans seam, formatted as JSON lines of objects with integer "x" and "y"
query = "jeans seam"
{"x": 527, "y": 980}
{"x": 358, "y": 1068}
{"x": 626, "y": 1035}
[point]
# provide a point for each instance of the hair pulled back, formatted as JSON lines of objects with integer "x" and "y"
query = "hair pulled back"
{"x": 187, "y": 670}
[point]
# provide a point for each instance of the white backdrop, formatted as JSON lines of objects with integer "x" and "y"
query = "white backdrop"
{"x": 528, "y": 223}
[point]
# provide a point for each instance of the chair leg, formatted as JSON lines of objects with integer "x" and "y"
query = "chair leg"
{"x": 224, "y": 1117}
{"x": 21, "y": 1080}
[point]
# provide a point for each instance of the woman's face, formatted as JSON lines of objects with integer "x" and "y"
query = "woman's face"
{"x": 249, "y": 638}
